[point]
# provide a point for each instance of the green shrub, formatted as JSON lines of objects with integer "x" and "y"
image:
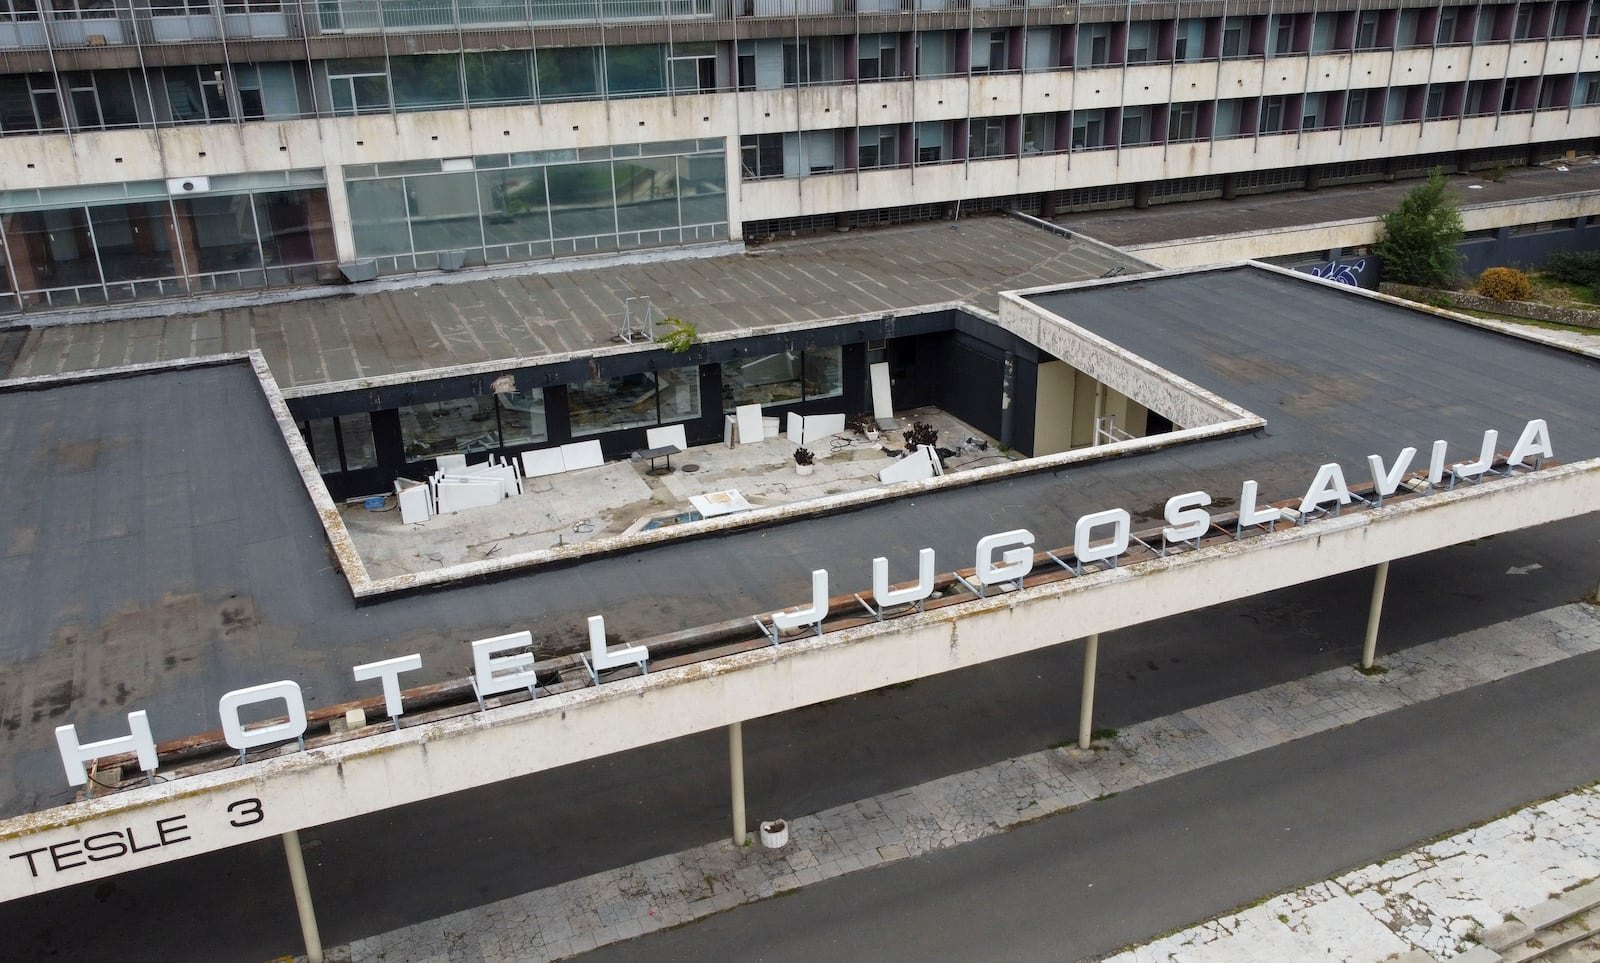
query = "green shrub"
{"x": 1575, "y": 267}
{"x": 1505, "y": 284}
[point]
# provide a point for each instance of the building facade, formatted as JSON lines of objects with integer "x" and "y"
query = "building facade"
{"x": 190, "y": 146}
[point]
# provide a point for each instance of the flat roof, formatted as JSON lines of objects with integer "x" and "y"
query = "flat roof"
{"x": 531, "y": 312}
{"x": 167, "y": 550}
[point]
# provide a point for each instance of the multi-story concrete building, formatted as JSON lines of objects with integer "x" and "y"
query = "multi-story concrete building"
{"x": 191, "y": 146}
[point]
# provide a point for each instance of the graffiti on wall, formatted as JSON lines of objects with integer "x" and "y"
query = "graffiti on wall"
{"x": 1344, "y": 272}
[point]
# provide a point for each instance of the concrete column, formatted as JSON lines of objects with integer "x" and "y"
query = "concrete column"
{"x": 1091, "y": 653}
{"x": 302, "y": 896}
{"x": 1313, "y": 177}
{"x": 1230, "y": 186}
{"x": 736, "y": 781}
{"x": 1047, "y": 205}
{"x": 1141, "y": 195}
{"x": 1380, "y": 579}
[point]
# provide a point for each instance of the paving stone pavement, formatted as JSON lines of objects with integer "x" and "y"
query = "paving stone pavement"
{"x": 1410, "y": 902}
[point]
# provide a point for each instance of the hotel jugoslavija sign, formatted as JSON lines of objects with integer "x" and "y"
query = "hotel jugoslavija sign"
{"x": 494, "y": 672}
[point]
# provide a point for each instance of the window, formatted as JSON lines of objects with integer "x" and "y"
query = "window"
{"x": 1282, "y": 34}
{"x": 694, "y": 68}
{"x": 639, "y": 400}
{"x": 568, "y": 73}
{"x": 358, "y": 86}
{"x": 1094, "y": 45}
{"x": 781, "y": 378}
{"x": 1041, "y": 49}
{"x": 1449, "y": 23}
{"x": 476, "y": 423}
{"x": 340, "y": 444}
{"x": 1587, "y": 92}
{"x": 426, "y": 83}
{"x": 1367, "y": 30}
{"x": 29, "y": 103}
{"x": 809, "y": 61}
{"x": 877, "y": 147}
{"x": 1141, "y": 37}
{"x": 196, "y": 94}
{"x": 636, "y": 69}
{"x": 499, "y": 77}
{"x": 1355, "y": 108}
{"x": 986, "y": 137}
{"x": 1233, "y": 36}
{"x": 1182, "y": 122}
{"x": 1133, "y": 126}
{"x": 1038, "y": 133}
{"x": 988, "y": 51}
{"x": 761, "y": 155}
{"x": 1524, "y": 24}
{"x": 1434, "y": 109}
{"x": 1190, "y": 45}
{"x": 1271, "y": 115}
{"x": 878, "y": 57}
{"x": 1088, "y": 128}
{"x": 930, "y": 142}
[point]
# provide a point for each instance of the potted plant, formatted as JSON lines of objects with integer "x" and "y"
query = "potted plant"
{"x": 919, "y": 434}
{"x": 804, "y": 461}
{"x": 865, "y": 424}
{"x": 774, "y": 834}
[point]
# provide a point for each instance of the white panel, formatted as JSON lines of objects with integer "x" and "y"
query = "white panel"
{"x": 750, "y": 428}
{"x": 666, "y": 435}
{"x": 913, "y": 467}
{"x": 448, "y": 463}
{"x": 882, "y": 405}
{"x": 797, "y": 428}
{"x": 459, "y": 494}
{"x": 583, "y": 454}
{"x": 544, "y": 461}
{"x": 769, "y": 428}
{"x": 818, "y": 427}
{"x": 415, "y": 505}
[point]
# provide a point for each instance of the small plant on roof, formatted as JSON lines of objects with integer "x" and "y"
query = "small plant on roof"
{"x": 803, "y": 456}
{"x": 862, "y": 423}
{"x": 919, "y": 434}
{"x": 679, "y": 336}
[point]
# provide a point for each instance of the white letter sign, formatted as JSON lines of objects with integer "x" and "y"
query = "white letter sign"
{"x": 1187, "y": 520}
{"x": 1535, "y": 440}
{"x": 907, "y": 596}
{"x": 812, "y": 614}
{"x": 1120, "y": 521}
{"x": 604, "y": 658}
{"x": 504, "y": 673}
{"x": 1328, "y": 486}
{"x": 389, "y": 671}
{"x": 1249, "y": 512}
{"x": 1015, "y": 563}
{"x": 1472, "y": 469}
{"x": 138, "y": 739}
{"x": 241, "y": 738}
{"x": 1387, "y": 482}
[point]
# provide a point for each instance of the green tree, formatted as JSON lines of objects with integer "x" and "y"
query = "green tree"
{"x": 1419, "y": 239}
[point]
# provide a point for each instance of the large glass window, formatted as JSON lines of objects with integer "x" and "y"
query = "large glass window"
{"x": 514, "y": 206}
{"x": 788, "y": 376}
{"x": 636, "y": 69}
{"x": 224, "y": 231}
{"x": 703, "y": 189}
{"x": 612, "y": 404}
{"x": 647, "y": 194}
{"x": 132, "y": 241}
{"x": 587, "y": 207}
{"x": 569, "y": 73}
{"x": 197, "y": 94}
{"x": 499, "y": 77}
{"x": 476, "y": 423}
{"x": 378, "y": 217}
{"x": 358, "y": 86}
{"x": 444, "y": 212}
{"x": 340, "y": 444}
{"x": 425, "y": 83}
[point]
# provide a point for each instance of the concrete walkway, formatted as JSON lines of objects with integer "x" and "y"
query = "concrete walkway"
{"x": 1426, "y": 901}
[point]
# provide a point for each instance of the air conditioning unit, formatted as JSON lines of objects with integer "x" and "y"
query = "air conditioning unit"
{"x": 188, "y": 185}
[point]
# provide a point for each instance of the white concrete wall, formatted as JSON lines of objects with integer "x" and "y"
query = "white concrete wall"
{"x": 1224, "y": 248}
{"x": 219, "y": 809}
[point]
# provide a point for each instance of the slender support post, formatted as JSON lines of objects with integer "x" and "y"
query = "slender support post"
{"x": 1091, "y": 652}
{"x": 302, "y": 896}
{"x": 736, "y": 780}
{"x": 1380, "y": 579}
